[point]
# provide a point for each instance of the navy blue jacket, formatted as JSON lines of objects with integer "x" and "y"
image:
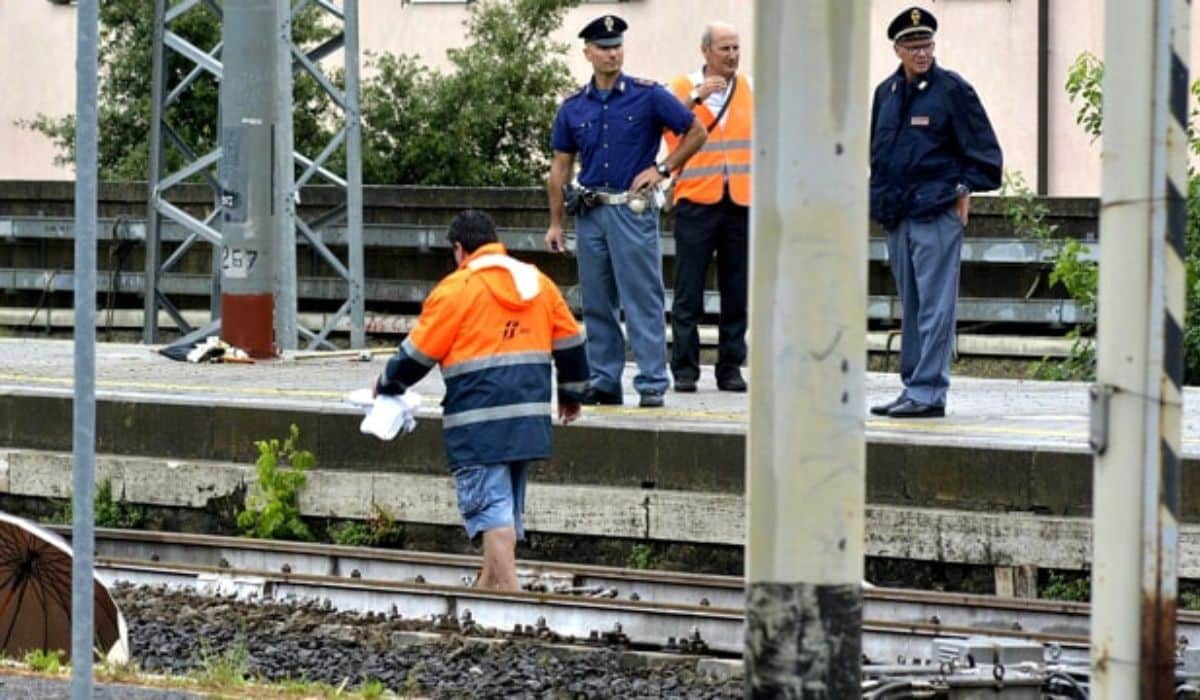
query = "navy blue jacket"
{"x": 927, "y": 138}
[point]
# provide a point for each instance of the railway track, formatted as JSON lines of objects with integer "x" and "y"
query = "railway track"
{"x": 572, "y": 603}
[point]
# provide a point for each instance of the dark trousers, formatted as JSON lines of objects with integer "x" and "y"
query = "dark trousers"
{"x": 700, "y": 231}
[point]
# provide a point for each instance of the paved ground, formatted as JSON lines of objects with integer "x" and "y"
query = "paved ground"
{"x": 982, "y": 412}
{"x": 13, "y": 687}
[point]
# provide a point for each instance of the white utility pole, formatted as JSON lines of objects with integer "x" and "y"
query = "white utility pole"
{"x": 1137, "y": 397}
{"x": 805, "y": 453}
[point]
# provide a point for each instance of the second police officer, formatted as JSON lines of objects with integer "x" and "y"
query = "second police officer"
{"x": 614, "y": 124}
{"x": 931, "y": 147}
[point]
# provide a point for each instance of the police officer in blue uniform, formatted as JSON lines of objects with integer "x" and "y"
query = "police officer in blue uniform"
{"x": 931, "y": 147}
{"x": 614, "y": 124}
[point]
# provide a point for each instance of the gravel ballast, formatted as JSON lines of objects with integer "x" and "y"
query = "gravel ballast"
{"x": 176, "y": 632}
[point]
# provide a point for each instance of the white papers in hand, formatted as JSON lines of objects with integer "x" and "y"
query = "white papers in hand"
{"x": 387, "y": 415}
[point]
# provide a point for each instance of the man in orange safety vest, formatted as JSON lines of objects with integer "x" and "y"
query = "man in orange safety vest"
{"x": 712, "y": 211}
{"x": 495, "y": 326}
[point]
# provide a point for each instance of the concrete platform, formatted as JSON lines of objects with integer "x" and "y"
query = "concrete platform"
{"x": 675, "y": 473}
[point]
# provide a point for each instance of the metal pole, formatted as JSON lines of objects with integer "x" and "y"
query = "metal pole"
{"x": 286, "y": 334}
{"x": 1136, "y": 400}
{"x": 84, "y": 442}
{"x": 246, "y": 173}
{"x": 153, "y": 218}
{"x": 805, "y": 451}
{"x": 354, "y": 194}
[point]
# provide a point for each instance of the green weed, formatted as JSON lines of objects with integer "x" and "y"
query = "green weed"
{"x": 106, "y": 511}
{"x": 643, "y": 556}
{"x": 273, "y": 512}
{"x": 1075, "y": 588}
{"x": 45, "y": 661}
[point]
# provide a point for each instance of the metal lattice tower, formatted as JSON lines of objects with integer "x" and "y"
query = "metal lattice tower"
{"x": 316, "y": 229}
{"x": 163, "y": 134}
{"x": 291, "y": 172}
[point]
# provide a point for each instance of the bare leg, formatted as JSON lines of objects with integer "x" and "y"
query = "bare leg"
{"x": 499, "y": 559}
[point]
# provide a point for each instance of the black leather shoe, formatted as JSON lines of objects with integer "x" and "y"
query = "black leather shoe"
{"x": 913, "y": 409}
{"x": 599, "y": 397}
{"x": 883, "y": 408}
{"x": 651, "y": 399}
{"x": 732, "y": 382}
{"x": 685, "y": 386}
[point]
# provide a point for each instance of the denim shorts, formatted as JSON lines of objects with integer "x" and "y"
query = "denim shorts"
{"x": 492, "y": 496}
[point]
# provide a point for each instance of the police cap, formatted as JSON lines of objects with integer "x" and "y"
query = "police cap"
{"x": 604, "y": 31}
{"x": 913, "y": 23}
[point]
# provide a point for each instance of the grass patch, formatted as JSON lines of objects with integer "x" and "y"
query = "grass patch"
{"x": 229, "y": 668}
{"x": 225, "y": 676}
{"x": 45, "y": 661}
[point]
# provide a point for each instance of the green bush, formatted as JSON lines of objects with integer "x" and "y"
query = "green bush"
{"x": 1027, "y": 216}
{"x": 485, "y": 123}
{"x": 1079, "y": 277}
{"x": 274, "y": 511}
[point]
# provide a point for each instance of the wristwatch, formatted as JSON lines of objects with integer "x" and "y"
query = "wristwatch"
{"x": 663, "y": 169}
{"x": 962, "y": 190}
{"x": 695, "y": 96}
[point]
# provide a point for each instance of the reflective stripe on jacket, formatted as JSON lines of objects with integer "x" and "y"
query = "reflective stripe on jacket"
{"x": 727, "y": 152}
{"x": 494, "y": 326}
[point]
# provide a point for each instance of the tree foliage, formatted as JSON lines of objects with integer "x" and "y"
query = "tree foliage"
{"x": 1084, "y": 79}
{"x": 126, "y": 39}
{"x": 486, "y": 122}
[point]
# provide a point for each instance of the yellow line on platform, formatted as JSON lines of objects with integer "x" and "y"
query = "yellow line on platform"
{"x": 932, "y": 428}
{"x": 682, "y": 413}
{"x": 163, "y": 386}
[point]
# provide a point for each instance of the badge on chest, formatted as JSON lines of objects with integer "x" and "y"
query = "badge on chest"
{"x": 920, "y": 120}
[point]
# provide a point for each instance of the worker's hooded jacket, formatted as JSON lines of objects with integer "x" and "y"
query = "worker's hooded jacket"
{"x": 494, "y": 326}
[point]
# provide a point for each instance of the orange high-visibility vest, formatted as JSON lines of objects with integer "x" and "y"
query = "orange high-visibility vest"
{"x": 726, "y": 153}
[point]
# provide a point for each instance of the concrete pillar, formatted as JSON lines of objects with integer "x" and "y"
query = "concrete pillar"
{"x": 248, "y": 220}
{"x": 805, "y": 451}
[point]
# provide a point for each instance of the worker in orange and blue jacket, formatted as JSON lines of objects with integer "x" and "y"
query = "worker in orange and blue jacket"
{"x": 493, "y": 326}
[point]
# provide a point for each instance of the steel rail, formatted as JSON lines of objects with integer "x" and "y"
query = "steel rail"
{"x": 893, "y": 614}
{"x": 551, "y": 617}
{"x": 397, "y": 565}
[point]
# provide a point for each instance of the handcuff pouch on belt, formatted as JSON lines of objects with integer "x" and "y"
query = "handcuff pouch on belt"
{"x": 578, "y": 200}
